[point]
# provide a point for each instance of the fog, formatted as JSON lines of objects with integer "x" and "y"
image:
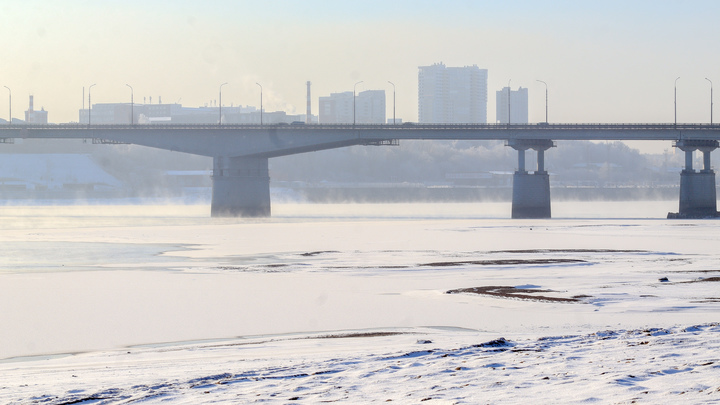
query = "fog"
{"x": 602, "y": 62}
{"x": 130, "y": 171}
{"x": 385, "y": 273}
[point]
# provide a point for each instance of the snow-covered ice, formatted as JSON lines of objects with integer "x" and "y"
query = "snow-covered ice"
{"x": 334, "y": 303}
{"x": 400, "y": 365}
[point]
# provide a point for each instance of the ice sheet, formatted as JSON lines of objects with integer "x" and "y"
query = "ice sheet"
{"x": 102, "y": 287}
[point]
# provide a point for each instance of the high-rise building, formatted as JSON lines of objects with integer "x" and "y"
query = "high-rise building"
{"x": 452, "y": 94}
{"x": 518, "y": 105}
{"x": 337, "y": 108}
{"x": 370, "y": 107}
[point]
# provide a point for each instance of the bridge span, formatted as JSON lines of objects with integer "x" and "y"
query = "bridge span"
{"x": 241, "y": 181}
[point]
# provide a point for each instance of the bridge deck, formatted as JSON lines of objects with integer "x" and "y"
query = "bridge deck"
{"x": 657, "y": 131}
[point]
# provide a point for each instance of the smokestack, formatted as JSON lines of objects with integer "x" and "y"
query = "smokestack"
{"x": 308, "y": 117}
{"x": 31, "y": 103}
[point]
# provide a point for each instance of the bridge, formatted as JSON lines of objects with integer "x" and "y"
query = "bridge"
{"x": 241, "y": 181}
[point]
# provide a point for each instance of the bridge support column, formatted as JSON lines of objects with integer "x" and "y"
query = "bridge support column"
{"x": 698, "y": 198}
{"x": 241, "y": 187}
{"x": 531, "y": 191}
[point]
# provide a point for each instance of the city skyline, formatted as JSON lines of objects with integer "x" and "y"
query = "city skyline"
{"x": 603, "y": 62}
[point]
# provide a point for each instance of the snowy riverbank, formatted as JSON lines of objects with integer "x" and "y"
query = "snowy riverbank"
{"x": 323, "y": 303}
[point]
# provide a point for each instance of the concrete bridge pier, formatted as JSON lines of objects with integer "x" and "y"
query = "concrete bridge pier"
{"x": 531, "y": 191}
{"x": 698, "y": 198}
{"x": 241, "y": 187}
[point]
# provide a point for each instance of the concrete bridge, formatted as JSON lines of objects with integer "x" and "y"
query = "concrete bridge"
{"x": 241, "y": 181}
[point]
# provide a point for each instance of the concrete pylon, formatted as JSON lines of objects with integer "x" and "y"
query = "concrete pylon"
{"x": 531, "y": 191}
{"x": 241, "y": 187}
{"x": 698, "y": 198}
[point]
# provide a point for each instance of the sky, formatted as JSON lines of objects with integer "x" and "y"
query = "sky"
{"x": 603, "y": 61}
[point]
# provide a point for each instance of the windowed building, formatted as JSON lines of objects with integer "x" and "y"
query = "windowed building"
{"x": 518, "y": 105}
{"x": 124, "y": 113}
{"x": 337, "y": 108}
{"x": 452, "y": 95}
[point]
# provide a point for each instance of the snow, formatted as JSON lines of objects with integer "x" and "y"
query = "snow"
{"x": 656, "y": 366}
{"x": 126, "y": 304}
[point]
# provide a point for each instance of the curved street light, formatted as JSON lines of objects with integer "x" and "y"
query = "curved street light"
{"x": 261, "y": 110}
{"x": 546, "y": 100}
{"x": 393, "y": 84}
{"x": 354, "y": 100}
{"x": 90, "y": 105}
{"x": 132, "y": 106}
{"x": 220, "y": 97}
{"x": 10, "y": 104}
{"x": 676, "y": 100}
{"x": 711, "y": 100}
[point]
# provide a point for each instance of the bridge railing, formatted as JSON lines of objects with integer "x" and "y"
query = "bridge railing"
{"x": 394, "y": 127}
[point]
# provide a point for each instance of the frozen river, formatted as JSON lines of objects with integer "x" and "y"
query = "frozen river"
{"x": 107, "y": 302}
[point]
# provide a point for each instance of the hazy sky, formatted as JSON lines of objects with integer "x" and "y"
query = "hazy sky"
{"x": 604, "y": 61}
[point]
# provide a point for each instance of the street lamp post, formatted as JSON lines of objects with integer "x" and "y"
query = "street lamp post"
{"x": 261, "y": 109}
{"x": 132, "y": 105}
{"x": 546, "y": 100}
{"x": 676, "y": 100}
{"x": 354, "y": 100}
{"x": 393, "y": 84}
{"x": 711, "y": 100}
{"x": 509, "y": 101}
{"x": 220, "y": 98}
{"x": 10, "y": 104}
{"x": 90, "y": 105}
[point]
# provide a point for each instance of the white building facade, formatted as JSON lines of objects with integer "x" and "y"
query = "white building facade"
{"x": 452, "y": 95}
{"x": 518, "y": 107}
{"x": 337, "y": 108}
{"x": 367, "y": 107}
{"x": 125, "y": 113}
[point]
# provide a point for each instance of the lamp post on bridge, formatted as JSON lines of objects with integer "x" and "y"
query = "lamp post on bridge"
{"x": 10, "y": 104}
{"x": 355, "y": 86}
{"x": 132, "y": 106}
{"x": 676, "y": 100}
{"x": 711, "y": 100}
{"x": 393, "y": 84}
{"x": 546, "y": 100}
{"x": 90, "y": 105}
{"x": 261, "y": 109}
{"x": 220, "y": 98}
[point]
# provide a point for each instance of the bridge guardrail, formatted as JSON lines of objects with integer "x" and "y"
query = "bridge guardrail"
{"x": 360, "y": 127}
